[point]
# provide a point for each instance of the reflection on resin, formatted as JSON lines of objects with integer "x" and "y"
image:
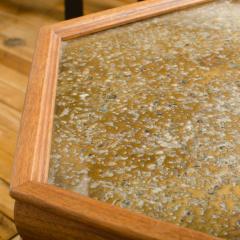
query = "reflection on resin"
{"x": 147, "y": 118}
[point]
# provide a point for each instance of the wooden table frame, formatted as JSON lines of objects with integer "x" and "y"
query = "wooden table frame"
{"x": 46, "y": 212}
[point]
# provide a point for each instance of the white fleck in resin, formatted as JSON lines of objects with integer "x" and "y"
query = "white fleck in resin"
{"x": 147, "y": 118}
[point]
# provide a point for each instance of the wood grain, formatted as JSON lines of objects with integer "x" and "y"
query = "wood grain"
{"x": 13, "y": 78}
{"x": 5, "y": 133}
{"x": 6, "y": 202}
{"x": 15, "y": 100}
{"x": 14, "y": 60}
{"x": 7, "y": 228}
{"x": 84, "y": 218}
{"x": 119, "y": 16}
{"x": 16, "y": 47}
{"x": 24, "y": 156}
{"x": 9, "y": 123}
{"x": 5, "y": 165}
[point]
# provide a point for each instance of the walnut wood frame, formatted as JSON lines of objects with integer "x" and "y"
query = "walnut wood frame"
{"x": 46, "y": 212}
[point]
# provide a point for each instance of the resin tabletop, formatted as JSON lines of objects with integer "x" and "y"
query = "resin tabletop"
{"x": 147, "y": 118}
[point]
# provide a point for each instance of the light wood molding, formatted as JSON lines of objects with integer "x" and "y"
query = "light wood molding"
{"x": 99, "y": 217}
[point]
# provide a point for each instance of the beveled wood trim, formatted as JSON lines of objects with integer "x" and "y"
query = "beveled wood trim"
{"x": 100, "y": 217}
{"x": 30, "y": 121}
{"x": 43, "y": 142}
{"x": 38, "y": 224}
{"x": 34, "y": 140}
{"x": 119, "y": 16}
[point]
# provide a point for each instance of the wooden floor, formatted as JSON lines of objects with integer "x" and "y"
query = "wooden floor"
{"x": 20, "y": 21}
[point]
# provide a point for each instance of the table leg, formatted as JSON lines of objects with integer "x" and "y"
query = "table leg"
{"x": 73, "y": 8}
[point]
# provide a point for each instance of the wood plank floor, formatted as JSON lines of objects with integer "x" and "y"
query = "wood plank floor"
{"x": 20, "y": 21}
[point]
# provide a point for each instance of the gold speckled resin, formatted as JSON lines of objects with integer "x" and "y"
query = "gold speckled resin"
{"x": 147, "y": 118}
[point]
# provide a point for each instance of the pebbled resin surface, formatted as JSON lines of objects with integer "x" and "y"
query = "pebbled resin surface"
{"x": 147, "y": 118}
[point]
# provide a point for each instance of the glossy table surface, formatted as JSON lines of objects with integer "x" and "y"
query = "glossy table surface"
{"x": 147, "y": 118}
